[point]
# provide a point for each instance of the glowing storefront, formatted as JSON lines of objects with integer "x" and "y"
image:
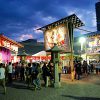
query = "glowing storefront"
{"x": 93, "y": 46}
{"x": 7, "y": 46}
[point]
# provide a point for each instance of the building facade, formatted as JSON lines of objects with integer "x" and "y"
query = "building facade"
{"x": 8, "y": 48}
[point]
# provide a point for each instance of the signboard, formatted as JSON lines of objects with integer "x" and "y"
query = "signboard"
{"x": 94, "y": 41}
{"x": 93, "y": 44}
{"x": 8, "y": 45}
{"x": 58, "y": 35}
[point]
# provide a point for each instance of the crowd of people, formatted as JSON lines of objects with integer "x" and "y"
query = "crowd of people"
{"x": 83, "y": 68}
{"x": 33, "y": 73}
{"x": 30, "y": 73}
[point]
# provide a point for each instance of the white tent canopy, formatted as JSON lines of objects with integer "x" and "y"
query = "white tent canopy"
{"x": 41, "y": 53}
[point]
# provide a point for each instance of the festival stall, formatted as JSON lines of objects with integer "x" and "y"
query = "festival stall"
{"x": 41, "y": 56}
{"x": 93, "y": 47}
{"x": 8, "y": 47}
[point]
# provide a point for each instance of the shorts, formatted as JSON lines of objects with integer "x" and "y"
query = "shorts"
{"x": 2, "y": 82}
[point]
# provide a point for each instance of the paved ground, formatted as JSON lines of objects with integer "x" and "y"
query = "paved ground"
{"x": 88, "y": 88}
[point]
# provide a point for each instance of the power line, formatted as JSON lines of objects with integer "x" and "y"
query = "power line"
{"x": 90, "y": 26}
{"x": 84, "y": 30}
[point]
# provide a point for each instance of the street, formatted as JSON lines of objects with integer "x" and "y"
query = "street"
{"x": 88, "y": 88}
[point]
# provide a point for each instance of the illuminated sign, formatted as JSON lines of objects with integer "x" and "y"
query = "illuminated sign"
{"x": 93, "y": 44}
{"x": 58, "y": 35}
{"x": 94, "y": 41}
{"x": 10, "y": 46}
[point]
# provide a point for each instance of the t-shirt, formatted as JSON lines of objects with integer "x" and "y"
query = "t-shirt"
{"x": 10, "y": 69}
{"x": 2, "y": 73}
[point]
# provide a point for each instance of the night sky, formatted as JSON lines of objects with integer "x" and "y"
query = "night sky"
{"x": 19, "y": 19}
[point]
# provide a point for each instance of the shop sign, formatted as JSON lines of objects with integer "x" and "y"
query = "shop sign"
{"x": 8, "y": 45}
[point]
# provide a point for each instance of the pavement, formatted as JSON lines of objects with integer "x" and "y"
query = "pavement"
{"x": 88, "y": 88}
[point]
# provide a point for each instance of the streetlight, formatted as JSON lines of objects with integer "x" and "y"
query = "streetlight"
{"x": 82, "y": 40}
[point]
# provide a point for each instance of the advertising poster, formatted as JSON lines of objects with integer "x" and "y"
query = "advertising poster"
{"x": 58, "y": 35}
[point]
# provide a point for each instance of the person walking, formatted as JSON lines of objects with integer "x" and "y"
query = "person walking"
{"x": 22, "y": 72}
{"x": 10, "y": 73}
{"x": 2, "y": 77}
{"x": 85, "y": 68}
{"x": 36, "y": 74}
{"x": 46, "y": 73}
{"x": 78, "y": 69}
{"x": 28, "y": 73}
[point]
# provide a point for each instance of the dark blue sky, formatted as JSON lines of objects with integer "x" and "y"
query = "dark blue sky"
{"x": 20, "y": 18}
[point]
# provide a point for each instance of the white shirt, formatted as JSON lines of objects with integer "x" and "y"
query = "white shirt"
{"x": 2, "y": 73}
{"x": 9, "y": 68}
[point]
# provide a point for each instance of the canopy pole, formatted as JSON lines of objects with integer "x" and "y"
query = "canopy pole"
{"x": 70, "y": 27}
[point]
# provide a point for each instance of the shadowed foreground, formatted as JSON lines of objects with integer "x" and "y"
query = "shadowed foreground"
{"x": 85, "y": 89}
